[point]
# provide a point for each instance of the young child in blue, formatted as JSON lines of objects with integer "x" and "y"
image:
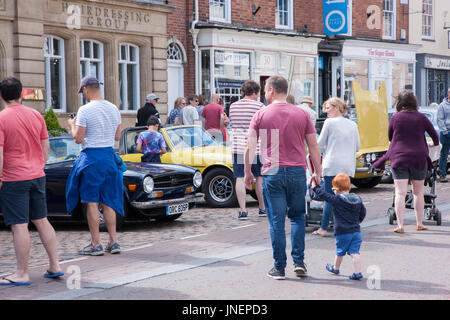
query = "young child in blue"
{"x": 349, "y": 211}
{"x": 151, "y": 143}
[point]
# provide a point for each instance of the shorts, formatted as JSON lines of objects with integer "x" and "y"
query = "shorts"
{"x": 238, "y": 166}
{"x": 348, "y": 243}
{"x": 403, "y": 173}
{"x": 22, "y": 201}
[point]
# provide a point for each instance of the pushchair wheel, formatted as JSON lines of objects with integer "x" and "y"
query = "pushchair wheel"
{"x": 391, "y": 214}
{"x": 438, "y": 217}
{"x": 428, "y": 213}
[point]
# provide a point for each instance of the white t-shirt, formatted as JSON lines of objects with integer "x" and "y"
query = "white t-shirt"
{"x": 338, "y": 144}
{"x": 101, "y": 119}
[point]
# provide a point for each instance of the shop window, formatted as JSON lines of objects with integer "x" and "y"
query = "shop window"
{"x": 55, "y": 85}
{"x": 231, "y": 70}
{"x": 302, "y": 77}
{"x": 91, "y": 61}
{"x": 206, "y": 73}
{"x": 389, "y": 17}
{"x": 284, "y": 14}
{"x": 129, "y": 90}
{"x": 427, "y": 19}
{"x": 358, "y": 71}
{"x": 402, "y": 78}
{"x": 220, "y": 10}
{"x": 436, "y": 85}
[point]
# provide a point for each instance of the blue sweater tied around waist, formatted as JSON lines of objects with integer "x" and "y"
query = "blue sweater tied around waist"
{"x": 95, "y": 177}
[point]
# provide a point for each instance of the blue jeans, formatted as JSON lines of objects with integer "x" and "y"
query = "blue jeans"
{"x": 327, "y": 208}
{"x": 445, "y": 140}
{"x": 284, "y": 192}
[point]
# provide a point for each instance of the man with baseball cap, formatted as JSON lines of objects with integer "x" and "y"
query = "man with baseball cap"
{"x": 148, "y": 110}
{"x": 95, "y": 177}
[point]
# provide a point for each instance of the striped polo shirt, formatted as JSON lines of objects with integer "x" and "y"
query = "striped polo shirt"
{"x": 241, "y": 114}
{"x": 101, "y": 119}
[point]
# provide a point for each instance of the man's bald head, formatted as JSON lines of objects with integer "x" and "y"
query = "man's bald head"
{"x": 215, "y": 98}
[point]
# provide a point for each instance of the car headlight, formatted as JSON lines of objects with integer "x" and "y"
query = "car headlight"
{"x": 197, "y": 180}
{"x": 374, "y": 157}
{"x": 368, "y": 158}
{"x": 149, "y": 185}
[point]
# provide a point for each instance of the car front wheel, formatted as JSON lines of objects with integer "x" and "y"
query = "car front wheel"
{"x": 219, "y": 188}
{"x": 367, "y": 183}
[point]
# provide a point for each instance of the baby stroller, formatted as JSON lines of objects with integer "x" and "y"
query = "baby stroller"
{"x": 430, "y": 209}
{"x": 314, "y": 208}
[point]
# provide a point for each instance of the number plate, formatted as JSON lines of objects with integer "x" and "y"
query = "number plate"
{"x": 177, "y": 209}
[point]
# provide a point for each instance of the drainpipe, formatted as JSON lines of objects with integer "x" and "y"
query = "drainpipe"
{"x": 194, "y": 33}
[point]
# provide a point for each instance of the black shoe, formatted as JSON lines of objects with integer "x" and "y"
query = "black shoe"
{"x": 300, "y": 269}
{"x": 277, "y": 274}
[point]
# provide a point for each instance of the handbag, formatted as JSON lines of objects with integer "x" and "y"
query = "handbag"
{"x": 120, "y": 163}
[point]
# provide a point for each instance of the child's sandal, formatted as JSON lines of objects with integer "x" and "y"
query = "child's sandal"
{"x": 331, "y": 269}
{"x": 356, "y": 276}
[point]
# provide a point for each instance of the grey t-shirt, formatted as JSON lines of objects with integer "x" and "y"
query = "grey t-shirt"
{"x": 101, "y": 119}
{"x": 190, "y": 114}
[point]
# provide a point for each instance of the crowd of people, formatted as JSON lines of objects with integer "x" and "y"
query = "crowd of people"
{"x": 269, "y": 147}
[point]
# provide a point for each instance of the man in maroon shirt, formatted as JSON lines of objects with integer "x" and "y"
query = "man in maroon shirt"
{"x": 212, "y": 117}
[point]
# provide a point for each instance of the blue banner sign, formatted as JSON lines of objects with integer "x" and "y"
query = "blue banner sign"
{"x": 335, "y": 17}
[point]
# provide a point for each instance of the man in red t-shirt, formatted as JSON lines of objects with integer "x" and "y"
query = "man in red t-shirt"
{"x": 24, "y": 148}
{"x": 213, "y": 118}
{"x": 282, "y": 129}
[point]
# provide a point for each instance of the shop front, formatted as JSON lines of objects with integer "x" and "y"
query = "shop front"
{"x": 57, "y": 43}
{"x": 229, "y": 58}
{"x": 433, "y": 78}
{"x": 370, "y": 64}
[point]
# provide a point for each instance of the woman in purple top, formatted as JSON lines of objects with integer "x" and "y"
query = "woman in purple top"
{"x": 408, "y": 153}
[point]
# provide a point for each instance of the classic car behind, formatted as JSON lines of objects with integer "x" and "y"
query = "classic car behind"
{"x": 193, "y": 146}
{"x": 158, "y": 191}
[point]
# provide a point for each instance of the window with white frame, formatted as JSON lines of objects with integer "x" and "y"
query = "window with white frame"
{"x": 427, "y": 19}
{"x": 284, "y": 14}
{"x": 349, "y": 18}
{"x": 220, "y": 10}
{"x": 389, "y": 17}
{"x": 91, "y": 61}
{"x": 55, "y": 83}
{"x": 129, "y": 89}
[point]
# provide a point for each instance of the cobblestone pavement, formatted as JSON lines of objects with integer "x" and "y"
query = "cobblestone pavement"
{"x": 202, "y": 220}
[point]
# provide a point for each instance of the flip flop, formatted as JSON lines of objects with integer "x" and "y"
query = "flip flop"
{"x": 316, "y": 233}
{"x": 12, "y": 283}
{"x": 421, "y": 228}
{"x": 51, "y": 275}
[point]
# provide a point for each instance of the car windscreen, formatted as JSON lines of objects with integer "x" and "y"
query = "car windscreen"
{"x": 62, "y": 149}
{"x": 189, "y": 137}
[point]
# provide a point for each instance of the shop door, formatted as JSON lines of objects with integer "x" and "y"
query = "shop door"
{"x": 175, "y": 82}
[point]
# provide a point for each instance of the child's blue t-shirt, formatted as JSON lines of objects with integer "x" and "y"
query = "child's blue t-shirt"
{"x": 152, "y": 142}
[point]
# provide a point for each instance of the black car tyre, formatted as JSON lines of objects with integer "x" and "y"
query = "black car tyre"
{"x": 366, "y": 183}
{"x": 120, "y": 220}
{"x": 219, "y": 188}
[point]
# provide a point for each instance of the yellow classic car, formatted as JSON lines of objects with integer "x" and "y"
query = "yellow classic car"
{"x": 192, "y": 146}
{"x": 371, "y": 115}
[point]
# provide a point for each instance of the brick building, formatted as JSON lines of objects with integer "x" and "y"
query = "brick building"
{"x": 51, "y": 44}
{"x": 227, "y": 42}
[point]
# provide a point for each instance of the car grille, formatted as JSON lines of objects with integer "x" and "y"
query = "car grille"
{"x": 172, "y": 181}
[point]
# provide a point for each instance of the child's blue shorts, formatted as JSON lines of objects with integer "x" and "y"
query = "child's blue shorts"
{"x": 348, "y": 243}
